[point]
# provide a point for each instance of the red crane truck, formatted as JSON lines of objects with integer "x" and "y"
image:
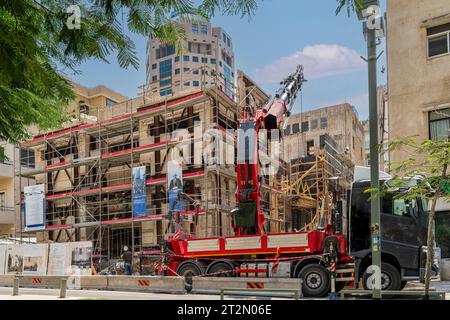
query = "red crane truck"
{"x": 252, "y": 252}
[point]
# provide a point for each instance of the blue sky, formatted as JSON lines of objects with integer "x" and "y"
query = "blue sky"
{"x": 282, "y": 34}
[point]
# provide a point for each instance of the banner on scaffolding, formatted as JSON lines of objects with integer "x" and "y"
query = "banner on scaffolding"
{"x": 139, "y": 197}
{"x": 175, "y": 185}
{"x": 34, "y": 213}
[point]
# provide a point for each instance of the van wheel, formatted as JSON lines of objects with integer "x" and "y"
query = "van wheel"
{"x": 316, "y": 280}
{"x": 390, "y": 278}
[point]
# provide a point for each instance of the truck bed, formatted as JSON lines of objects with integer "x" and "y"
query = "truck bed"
{"x": 287, "y": 243}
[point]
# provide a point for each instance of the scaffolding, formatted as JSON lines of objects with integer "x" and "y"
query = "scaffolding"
{"x": 317, "y": 182}
{"x": 86, "y": 168}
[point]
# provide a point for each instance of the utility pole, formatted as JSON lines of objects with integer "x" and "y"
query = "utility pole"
{"x": 373, "y": 29}
{"x": 374, "y": 160}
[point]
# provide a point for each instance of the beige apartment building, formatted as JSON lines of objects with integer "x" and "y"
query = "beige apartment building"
{"x": 418, "y": 43}
{"x": 418, "y": 47}
{"x": 92, "y": 101}
{"x": 303, "y": 132}
{"x": 209, "y": 50}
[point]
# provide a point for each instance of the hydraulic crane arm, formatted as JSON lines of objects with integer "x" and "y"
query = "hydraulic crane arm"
{"x": 249, "y": 218}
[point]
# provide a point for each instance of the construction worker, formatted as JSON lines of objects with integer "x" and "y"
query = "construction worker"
{"x": 127, "y": 258}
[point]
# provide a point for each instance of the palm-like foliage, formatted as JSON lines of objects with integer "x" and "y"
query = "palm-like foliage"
{"x": 350, "y": 5}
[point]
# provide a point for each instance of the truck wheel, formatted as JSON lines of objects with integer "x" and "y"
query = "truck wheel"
{"x": 190, "y": 269}
{"x": 390, "y": 278}
{"x": 222, "y": 269}
{"x": 316, "y": 280}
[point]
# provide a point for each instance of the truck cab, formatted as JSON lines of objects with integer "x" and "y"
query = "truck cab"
{"x": 404, "y": 225}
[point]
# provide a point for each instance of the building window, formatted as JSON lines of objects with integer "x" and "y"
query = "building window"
{"x": 164, "y": 83}
{"x": 165, "y": 69}
{"x": 323, "y": 123}
{"x": 195, "y": 59}
{"x": 224, "y": 38}
{"x": 177, "y": 59}
{"x": 187, "y": 84}
{"x": 295, "y": 128}
{"x": 186, "y": 58}
{"x": 196, "y": 72}
{"x": 439, "y": 124}
{"x": 204, "y": 29}
{"x": 177, "y": 71}
{"x": 195, "y": 28}
{"x": 310, "y": 147}
{"x": 314, "y": 124}
{"x": 110, "y": 102}
{"x": 208, "y": 49}
{"x": 154, "y": 66}
{"x": 186, "y": 69}
{"x": 164, "y": 51}
{"x": 27, "y": 158}
{"x": 287, "y": 131}
{"x": 195, "y": 83}
{"x": 154, "y": 78}
{"x": 228, "y": 42}
{"x": 2, "y": 200}
{"x": 438, "y": 40}
{"x": 204, "y": 60}
{"x": 213, "y": 61}
{"x": 165, "y": 92}
{"x": 190, "y": 46}
{"x": 305, "y": 126}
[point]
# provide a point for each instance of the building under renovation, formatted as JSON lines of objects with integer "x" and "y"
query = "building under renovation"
{"x": 87, "y": 166}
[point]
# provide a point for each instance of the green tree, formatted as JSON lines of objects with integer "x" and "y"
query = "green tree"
{"x": 430, "y": 159}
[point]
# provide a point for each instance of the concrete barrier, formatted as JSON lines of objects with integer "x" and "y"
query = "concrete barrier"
{"x": 146, "y": 284}
{"x": 445, "y": 270}
{"x": 33, "y": 281}
{"x": 87, "y": 282}
{"x": 6, "y": 280}
{"x": 210, "y": 285}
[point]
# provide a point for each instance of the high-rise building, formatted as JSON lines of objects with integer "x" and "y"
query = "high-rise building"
{"x": 209, "y": 53}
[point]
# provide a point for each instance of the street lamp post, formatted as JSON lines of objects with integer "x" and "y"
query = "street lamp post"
{"x": 373, "y": 28}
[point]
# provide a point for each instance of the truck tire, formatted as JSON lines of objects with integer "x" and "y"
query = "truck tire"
{"x": 316, "y": 280}
{"x": 390, "y": 278}
{"x": 189, "y": 269}
{"x": 221, "y": 269}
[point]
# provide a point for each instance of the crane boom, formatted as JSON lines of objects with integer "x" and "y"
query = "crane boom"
{"x": 248, "y": 217}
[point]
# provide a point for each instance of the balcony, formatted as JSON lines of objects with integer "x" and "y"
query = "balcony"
{"x": 7, "y": 215}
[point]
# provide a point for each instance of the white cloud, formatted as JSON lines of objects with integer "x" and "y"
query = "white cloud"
{"x": 320, "y": 61}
